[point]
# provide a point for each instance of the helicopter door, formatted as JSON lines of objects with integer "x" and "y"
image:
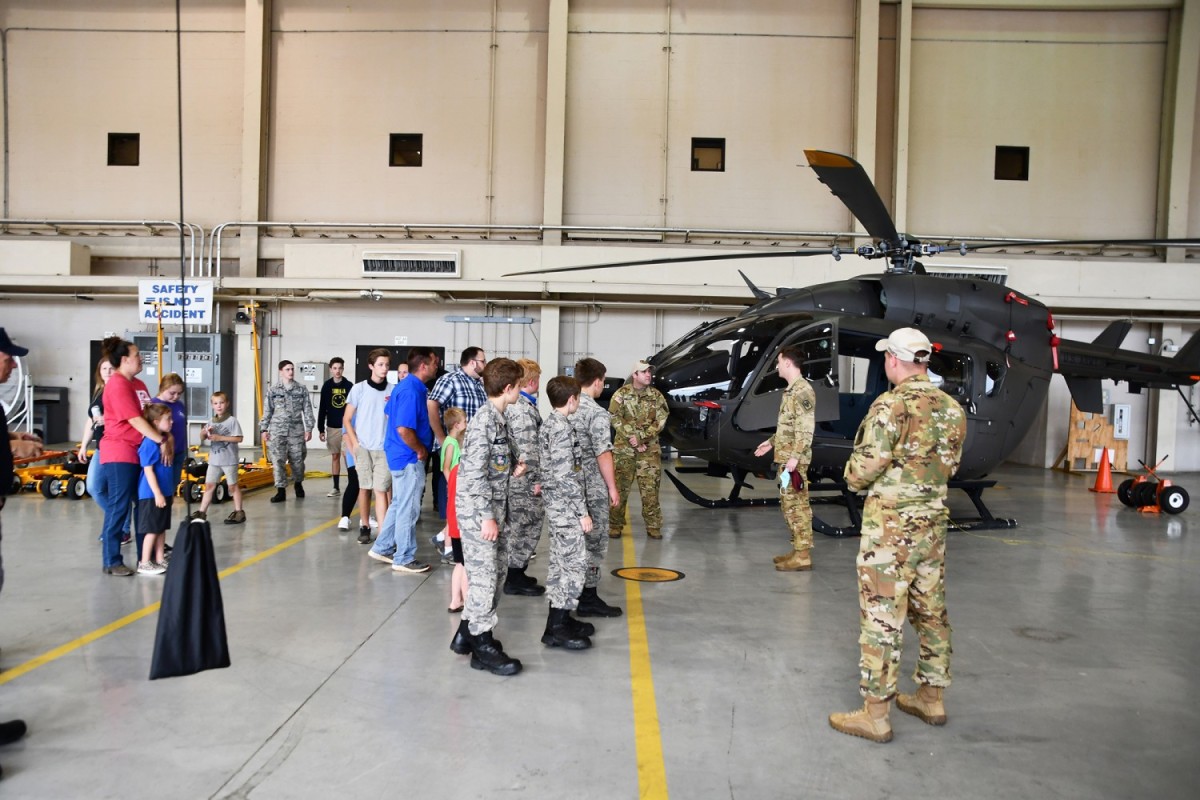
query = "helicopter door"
{"x": 760, "y": 410}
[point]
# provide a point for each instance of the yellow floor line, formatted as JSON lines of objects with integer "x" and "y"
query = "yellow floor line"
{"x": 652, "y": 773}
{"x": 112, "y": 627}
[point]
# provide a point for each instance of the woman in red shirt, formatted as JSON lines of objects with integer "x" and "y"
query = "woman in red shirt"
{"x": 124, "y": 426}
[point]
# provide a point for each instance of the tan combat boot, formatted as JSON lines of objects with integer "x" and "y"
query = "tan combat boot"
{"x": 869, "y": 722}
{"x": 925, "y": 704}
{"x": 798, "y": 561}
{"x": 654, "y": 533}
{"x": 784, "y": 557}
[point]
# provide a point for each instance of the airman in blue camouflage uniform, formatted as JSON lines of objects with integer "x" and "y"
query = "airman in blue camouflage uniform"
{"x": 639, "y": 412}
{"x": 286, "y": 426}
{"x": 593, "y": 427}
{"x": 481, "y": 501}
{"x": 907, "y": 448}
{"x": 525, "y": 512}
{"x": 562, "y": 463}
{"x": 792, "y": 443}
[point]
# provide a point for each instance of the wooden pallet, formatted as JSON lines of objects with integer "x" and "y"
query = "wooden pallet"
{"x": 1087, "y": 437}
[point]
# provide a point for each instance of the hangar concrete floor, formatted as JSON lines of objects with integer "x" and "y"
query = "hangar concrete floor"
{"x": 1076, "y": 649}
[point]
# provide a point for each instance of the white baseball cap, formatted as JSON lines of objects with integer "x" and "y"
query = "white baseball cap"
{"x": 905, "y": 344}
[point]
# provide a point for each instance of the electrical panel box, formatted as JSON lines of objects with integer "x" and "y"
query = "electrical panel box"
{"x": 312, "y": 375}
{"x": 207, "y": 368}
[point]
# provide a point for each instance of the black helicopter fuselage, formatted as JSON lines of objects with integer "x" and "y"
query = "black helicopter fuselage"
{"x": 995, "y": 357}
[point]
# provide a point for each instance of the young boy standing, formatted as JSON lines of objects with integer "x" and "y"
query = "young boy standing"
{"x": 567, "y": 512}
{"x": 487, "y": 463}
{"x": 223, "y": 433}
{"x": 154, "y": 504}
{"x": 592, "y": 424}
{"x": 525, "y": 511}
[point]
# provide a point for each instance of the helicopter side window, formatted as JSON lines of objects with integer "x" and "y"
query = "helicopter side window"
{"x": 951, "y": 372}
{"x": 994, "y": 376}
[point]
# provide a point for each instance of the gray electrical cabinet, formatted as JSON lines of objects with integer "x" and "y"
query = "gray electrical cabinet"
{"x": 312, "y": 375}
{"x": 207, "y": 368}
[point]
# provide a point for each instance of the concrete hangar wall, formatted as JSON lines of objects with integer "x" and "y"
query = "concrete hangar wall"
{"x": 557, "y": 133}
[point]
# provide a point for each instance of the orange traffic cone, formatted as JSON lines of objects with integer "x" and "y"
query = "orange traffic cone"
{"x": 1104, "y": 476}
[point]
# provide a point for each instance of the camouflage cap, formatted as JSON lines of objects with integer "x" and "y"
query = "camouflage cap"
{"x": 907, "y": 344}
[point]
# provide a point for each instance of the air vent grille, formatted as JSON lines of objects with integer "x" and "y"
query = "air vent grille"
{"x": 411, "y": 264}
{"x": 971, "y": 273}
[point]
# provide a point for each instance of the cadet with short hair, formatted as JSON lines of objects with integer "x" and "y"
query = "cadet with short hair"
{"x": 286, "y": 426}
{"x": 907, "y": 448}
{"x": 639, "y": 412}
{"x": 567, "y": 511}
{"x": 792, "y": 442}
{"x": 329, "y": 413}
{"x": 365, "y": 422}
{"x": 480, "y": 500}
{"x": 593, "y": 425}
{"x": 525, "y": 511}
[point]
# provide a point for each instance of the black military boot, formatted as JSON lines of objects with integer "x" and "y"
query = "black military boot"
{"x": 580, "y": 627}
{"x": 590, "y": 605}
{"x": 517, "y": 582}
{"x": 559, "y": 634}
{"x": 279, "y": 496}
{"x": 461, "y": 643}
{"x": 299, "y": 490}
{"x": 487, "y": 654}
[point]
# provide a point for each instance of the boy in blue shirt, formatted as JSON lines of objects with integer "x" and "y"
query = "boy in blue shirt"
{"x": 154, "y": 505}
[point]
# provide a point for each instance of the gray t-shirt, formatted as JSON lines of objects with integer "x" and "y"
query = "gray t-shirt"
{"x": 224, "y": 454}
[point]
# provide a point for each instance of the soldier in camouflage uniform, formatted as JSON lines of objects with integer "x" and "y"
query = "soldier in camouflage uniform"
{"x": 792, "y": 442}
{"x": 525, "y": 512}
{"x": 639, "y": 413}
{"x": 593, "y": 427}
{"x": 907, "y": 448}
{"x": 286, "y": 426}
{"x": 488, "y": 462}
{"x": 566, "y": 508}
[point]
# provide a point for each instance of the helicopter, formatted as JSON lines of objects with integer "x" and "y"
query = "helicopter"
{"x": 996, "y": 351}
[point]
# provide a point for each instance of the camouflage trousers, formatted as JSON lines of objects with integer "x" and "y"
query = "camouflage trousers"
{"x": 525, "y": 515}
{"x": 486, "y": 564}
{"x": 568, "y": 563}
{"x": 646, "y": 469}
{"x": 901, "y": 573}
{"x": 287, "y": 449}
{"x": 597, "y": 540}
{"x": 797, "y": 513}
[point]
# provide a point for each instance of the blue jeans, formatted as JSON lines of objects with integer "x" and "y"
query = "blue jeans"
{"x": 120, "y": 488}
{"x": 398, "y": 535}
{"x": 95, "y": 481}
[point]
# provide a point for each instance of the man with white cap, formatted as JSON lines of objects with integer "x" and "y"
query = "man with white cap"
{"x": 639, "y": 412}
{"x": 18, "y": 445}
{"x": 907, "y": 448}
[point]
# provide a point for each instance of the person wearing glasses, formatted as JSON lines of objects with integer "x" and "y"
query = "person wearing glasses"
{"x": 462, "y": 389}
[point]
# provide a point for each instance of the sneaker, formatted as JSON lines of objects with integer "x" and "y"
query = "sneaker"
{"x": 236, "y": 518}
{"x": 150, "y": 568}
{"x": 364, "y": 535}
{"x": 163, "y": 563}
{"x": 379, "y": 556}
{"x": 126, "y": 538}
{"x": 374, "y": 524}
{"x": 335, "y": 493}
{"x": 412, "y": 567}
{"x": 199, "y": 515}
{"x": 120, "y": 570}
{"x": 344, "y": 524}
{"x": 448, "y": 558}
{"x": 436, "y": 542}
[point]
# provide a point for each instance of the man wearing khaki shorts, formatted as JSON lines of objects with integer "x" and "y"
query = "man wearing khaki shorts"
{"x": 365, "y": 424}
{"x": 329, "y": 418}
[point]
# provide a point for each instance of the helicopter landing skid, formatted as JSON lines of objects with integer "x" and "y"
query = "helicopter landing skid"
{"x": 734, "y": 500}
{"x": 985, "y": 521}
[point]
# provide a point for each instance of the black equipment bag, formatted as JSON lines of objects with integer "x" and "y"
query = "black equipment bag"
{"x": 191, "y": 619}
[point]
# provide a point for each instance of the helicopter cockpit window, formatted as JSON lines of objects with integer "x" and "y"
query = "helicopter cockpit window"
{"x": 818, "y": 363}
{"x": 994, "y": 376}
{"x": 951, "y": 372}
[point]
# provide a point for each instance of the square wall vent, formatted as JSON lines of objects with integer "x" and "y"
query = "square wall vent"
{"x": 411, "y": 264}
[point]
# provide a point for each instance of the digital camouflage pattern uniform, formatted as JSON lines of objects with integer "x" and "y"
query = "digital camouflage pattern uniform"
{"x": 641, "y": 414}
{"x": 562, "y": 465}
{"x": 907, "y": 448}
{"x": 793, "y": 439}
{"x": 525, "y": 512}
{"x": 287, "y": 416}
{"x": 592, "y": 426}
{"x": 484, "y": 470}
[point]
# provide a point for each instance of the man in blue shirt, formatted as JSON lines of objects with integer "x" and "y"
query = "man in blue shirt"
{"x": 407, "y": 445}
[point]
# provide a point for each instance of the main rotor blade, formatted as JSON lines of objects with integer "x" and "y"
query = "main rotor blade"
{"x": 1084, "y": 243}
{"x": 681, "y": 260}
{"x": 846, "y": 178}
